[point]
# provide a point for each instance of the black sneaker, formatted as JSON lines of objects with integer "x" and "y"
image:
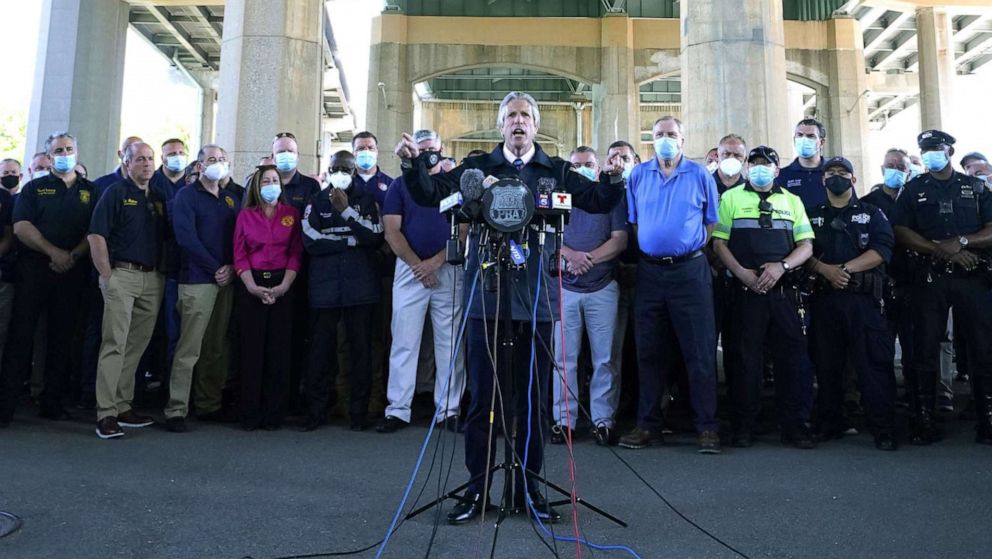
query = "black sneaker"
{"x": 175, "y": 424}
{"x": 605, "y": 436}
{"x": 560, "y": 434}
{"x": 390, "y": 424}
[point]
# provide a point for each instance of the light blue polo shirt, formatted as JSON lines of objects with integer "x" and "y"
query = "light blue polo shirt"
{"x": 671, "y": 213}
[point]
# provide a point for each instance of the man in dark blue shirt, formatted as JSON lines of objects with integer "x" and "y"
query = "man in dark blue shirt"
{"x": 118, "y": 174}
{"x": 853, "y": 241}
{"x": 369, "y": 176}
{"x": 126, "y": 234}
{"x": 804, "y": 176}
{"x": 51, "y": 218}
{"x": 590, "y": 299}
{"x": 424, "y": 283}
{"x": 203, "y": 217}
{"x": 946, "y": 217}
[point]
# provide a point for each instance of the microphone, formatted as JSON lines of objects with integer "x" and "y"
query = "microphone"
{"x": 471, "y": 186}
{"x": 462, "y": 206}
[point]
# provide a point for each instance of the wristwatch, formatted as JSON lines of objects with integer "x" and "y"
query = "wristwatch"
{"x": 963, "y": 241}
{"x": 785, "y": 266}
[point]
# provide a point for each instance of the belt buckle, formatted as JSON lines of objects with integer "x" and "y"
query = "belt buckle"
{"x": 667, "y": 260}
{"x": 266, "y": 275}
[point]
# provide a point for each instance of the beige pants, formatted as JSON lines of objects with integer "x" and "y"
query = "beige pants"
{"x": 204, "y": 313}
{"x": 131, "y": 300}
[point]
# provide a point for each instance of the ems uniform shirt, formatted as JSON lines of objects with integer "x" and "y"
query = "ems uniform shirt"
{"x": 757, "y": 236}
{"x": 203, "y": 225}
{"x": 805, "y": 183}
{"x": 133, "y": 222}
{"x": 61, "y": 214}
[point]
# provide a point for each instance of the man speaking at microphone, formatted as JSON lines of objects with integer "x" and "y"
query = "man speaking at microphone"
{"x": 517, "y": 156}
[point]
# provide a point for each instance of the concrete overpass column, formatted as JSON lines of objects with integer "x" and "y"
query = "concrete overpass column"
{"x": 936, "y": 51}
{"x": 616, "y": 100}
{"x": 733, "y": 74}
{"x": 847, "y": 106}
{"x": 79, "y": 78}
{"x": 390, "y": 91}
{"x": 270, "y": 79}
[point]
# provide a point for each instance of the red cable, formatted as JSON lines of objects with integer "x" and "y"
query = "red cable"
{"x": 568, "y": 419}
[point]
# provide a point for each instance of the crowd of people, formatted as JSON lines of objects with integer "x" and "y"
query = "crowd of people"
{"x": 247, "y": 300}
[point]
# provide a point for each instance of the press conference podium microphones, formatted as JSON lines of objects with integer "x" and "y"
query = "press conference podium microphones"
{"x": 462, "y": 207}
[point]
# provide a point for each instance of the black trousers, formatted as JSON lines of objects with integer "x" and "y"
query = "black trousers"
{"x": 771, "y": 321}
{"x": 323, "y": 358}
{"x": 972, "y": 302}
{"x": 266, "y": 336}
{"x": 850, "y": 327}
{"x": 59, "y": 296}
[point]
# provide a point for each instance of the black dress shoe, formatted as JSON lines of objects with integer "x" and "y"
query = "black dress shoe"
{"x": 468, "y": 509}
{"x": 56, "y": 414}
{"x": 390, "y": 424}
{"x": 799, "y": 437}
{"x": 742, "y": 438}
{"x": 560, "y": 434}
{"x": 924, "y": 432}
{"x": 605, "y": 436}
{"x": 175, "y": 424}
{"x": 885, "y": 441}
{"x": 311, "y": 424}
{"x": 449, "y": 424}
{"x": 542, "y": 508}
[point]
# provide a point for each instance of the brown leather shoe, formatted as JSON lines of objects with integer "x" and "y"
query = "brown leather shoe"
{"x": 709, "y": 443}
{"x": 107, "y": 428}
{"x": 640, "y": 438}
{"x": 132, "y": 419}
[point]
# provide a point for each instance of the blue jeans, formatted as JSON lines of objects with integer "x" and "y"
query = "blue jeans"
{"x": 673, "y": 311}
{"x": 595, "y": 313}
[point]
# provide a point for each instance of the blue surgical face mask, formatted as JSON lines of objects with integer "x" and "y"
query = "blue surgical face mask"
{"x": 666, "y": 148}
{"x": 627, "y": 170}
{"x": 894, "y": 178}
{"x": 806, "y": 147}
{"x": 587, "y": 172}
{"x": 64, "y": 163}
{"x": 270, "y": 193}
{"x": 761, "y": 175}
{"x": 366, "y": 159}
{"x": 175, "y": 163}
{"x": 936, "y": 161}
{"x": 286, "y": 161}
{"x": 39, "y": 174}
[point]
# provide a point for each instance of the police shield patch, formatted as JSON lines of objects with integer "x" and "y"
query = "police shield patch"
{"x": 84, "y": 196}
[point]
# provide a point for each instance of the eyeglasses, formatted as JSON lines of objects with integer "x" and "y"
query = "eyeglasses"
{"x": 765, "y": 215}
{"x": 284, "y": 135}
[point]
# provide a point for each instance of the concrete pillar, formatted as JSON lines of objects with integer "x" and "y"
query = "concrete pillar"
{"x": 79, "y": 78}
{"x": 208, "y": 96}
{"x": 389, "y": 108}
{"x": 616, "y": 100}
{"x": 270, "y": 79}
{"x": 936, "y": 52}
{"x": 733, "y": 74}
{"x": 846, "y": 102}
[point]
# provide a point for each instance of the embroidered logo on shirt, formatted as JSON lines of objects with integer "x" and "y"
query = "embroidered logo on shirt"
{"x": 794, "y": 183}
{"x": 230, "y": 202}
{"x": 129, "y": 202}
{"x": 862, "y": 219}
{"x": 288, "y": 221}
{"x": 45, "y": 191}
{"x": 817, "y": 221}
{"x": 84, "y": 196}
{"x": 383, "y": 186}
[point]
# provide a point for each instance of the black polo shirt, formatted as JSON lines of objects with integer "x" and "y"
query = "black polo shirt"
{"x": 298, "y": 190}
{"x": 6, "y": 220}
{"x": 61, "y": 214}
{"x": 721, "y": 188}
{"x": 132, "y": 222}
{"x": 940, "y": 210}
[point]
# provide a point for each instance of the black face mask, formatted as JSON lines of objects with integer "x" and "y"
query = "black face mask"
{"x": 10, "y": 181}
{"x": 838, "y": 185}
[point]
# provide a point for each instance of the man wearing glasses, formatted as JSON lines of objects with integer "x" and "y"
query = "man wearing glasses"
{"x": 763, "y": 235}
{"x": 203, "y": 216}
{"x": 852, "y": 244}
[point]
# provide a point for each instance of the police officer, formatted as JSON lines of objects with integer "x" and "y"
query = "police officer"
{"x": 518, "y": 155}
{"x": 763, "y": 237}
{"x": 51, "y": 217}
{"x": 945, "y": 217}
{"x": 852, "y": 244}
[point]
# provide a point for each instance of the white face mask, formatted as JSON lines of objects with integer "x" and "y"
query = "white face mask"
{"x": 216, "y": 172}
{"x": 340, "y": 180}
{"x": 731, "y": 166}
{"x": 711, "y": 166}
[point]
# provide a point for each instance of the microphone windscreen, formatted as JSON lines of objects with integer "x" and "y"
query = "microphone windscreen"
{"x": 470, "y": 185}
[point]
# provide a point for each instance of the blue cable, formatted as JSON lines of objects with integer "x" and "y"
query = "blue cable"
{"x": 530, "y": 400}
{"x": 430, "y": 430}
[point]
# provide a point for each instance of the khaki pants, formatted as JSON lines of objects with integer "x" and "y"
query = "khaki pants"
{"x": 204, "y": 313}
{"x": 131, "y": 302}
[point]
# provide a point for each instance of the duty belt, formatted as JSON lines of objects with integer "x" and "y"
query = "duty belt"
{"x": 670, "y": 260}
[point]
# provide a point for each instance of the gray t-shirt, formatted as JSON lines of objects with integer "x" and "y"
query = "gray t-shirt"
{"x": 585, "y": 232}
